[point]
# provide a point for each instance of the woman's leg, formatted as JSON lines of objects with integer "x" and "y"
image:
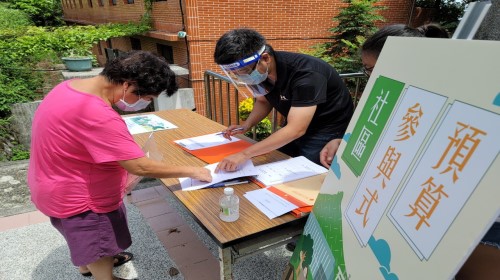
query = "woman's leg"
{"x": 102, "y": 269}
{"x": 83, "y": 269}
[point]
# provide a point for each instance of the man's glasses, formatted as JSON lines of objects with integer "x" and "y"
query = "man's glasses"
{"x": 247, "y": 70}
{"x": 367, "y": 70}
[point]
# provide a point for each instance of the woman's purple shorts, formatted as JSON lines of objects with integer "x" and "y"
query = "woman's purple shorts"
{"x": 91, "y": 236}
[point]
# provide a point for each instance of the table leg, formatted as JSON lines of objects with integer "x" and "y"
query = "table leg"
{"x": 226, "y": 263}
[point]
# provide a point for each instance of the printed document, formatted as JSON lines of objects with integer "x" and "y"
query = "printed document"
{"x": 247, "y": 169}
{"x": 146, "y": 123}
{"x": 288, "y": 170}
{"x": 272, "y": 205}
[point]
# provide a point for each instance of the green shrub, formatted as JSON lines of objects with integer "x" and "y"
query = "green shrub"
{"x": 262, "y": 129}
{"x": 10, "y": 18}
{"x": 19, "y": 152}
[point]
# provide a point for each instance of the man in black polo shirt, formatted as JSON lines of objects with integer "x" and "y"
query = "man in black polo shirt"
{"x": 304, "y": 89}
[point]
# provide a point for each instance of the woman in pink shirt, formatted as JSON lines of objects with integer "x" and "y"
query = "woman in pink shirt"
{"x": 81, "y": 152}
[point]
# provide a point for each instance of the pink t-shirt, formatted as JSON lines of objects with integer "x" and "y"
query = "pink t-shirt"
{"x": 76, "y": 142}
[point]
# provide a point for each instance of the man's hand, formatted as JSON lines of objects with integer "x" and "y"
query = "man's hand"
{"x": 328, "y": 152}
{"x": 233, "y": 130}
{"x": 231, "y": 163}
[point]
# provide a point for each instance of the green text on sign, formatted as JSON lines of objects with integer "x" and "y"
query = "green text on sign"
{"x": 371, "y": 123}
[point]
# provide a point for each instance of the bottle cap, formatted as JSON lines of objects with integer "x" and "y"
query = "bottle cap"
{"x": 228, "y": 191}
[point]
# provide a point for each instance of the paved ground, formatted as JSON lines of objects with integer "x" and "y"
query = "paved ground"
{"x": 14, "y": 193}
{"x": 39, "y": 252}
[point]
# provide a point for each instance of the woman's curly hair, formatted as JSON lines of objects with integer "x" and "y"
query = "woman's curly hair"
{"x": 150, "y": 74}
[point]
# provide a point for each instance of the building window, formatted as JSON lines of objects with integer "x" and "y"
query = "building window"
{"x": 110, "y": 54}
{"x": 90, "y": 3}
{"x": 112, "y": 2}
{"x": 135, "y": 44}
{"x": 99, "y": 48}
{"x": 167, "y": 52}
{"x": 100, "y": 3}
{"x": 128, "y": 1}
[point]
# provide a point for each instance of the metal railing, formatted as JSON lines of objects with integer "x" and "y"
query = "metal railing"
{"x": 222, "y": 98}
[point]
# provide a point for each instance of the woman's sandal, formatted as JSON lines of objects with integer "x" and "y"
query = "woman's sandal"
{"x": 119, "y": 259}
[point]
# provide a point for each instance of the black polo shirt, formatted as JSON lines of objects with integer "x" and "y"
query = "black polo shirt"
{"x": 302, "y": 81}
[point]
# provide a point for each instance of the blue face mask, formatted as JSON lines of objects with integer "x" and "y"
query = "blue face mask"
{"x": 253, "y": 78}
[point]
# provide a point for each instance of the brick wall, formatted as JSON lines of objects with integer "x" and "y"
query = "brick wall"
{"x": 290, "y": 25}
{"x": 81, "y": 11}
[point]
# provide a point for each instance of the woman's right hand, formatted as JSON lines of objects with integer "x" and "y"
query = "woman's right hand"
{"x": 202, "y": 174}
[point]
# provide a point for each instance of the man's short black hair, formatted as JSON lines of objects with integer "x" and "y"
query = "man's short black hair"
{"x": 237, "y": 44}
{"x": 150, "y": 74}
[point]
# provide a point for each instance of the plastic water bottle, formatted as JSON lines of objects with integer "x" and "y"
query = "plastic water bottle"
{"x": 229, "y": 206}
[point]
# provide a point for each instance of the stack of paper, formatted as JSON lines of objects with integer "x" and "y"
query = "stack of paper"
{"x": 246, "y": 170}
{"x": 269, "y": 203}
{"x": 212, "y": 148}
{"x": 275, "y": 200}
{"x": 288, "y": 170}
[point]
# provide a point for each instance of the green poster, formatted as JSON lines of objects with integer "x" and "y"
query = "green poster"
{"x": 371, "y": 123}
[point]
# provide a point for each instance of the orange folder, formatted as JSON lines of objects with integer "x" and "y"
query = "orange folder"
{"x": 217, "y": 153}
{"x": 301, "y": 192}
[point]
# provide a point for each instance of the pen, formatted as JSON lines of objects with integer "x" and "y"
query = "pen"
{"x": 226, "y": 184}
{"x": 235, "y": 183}
{"x": 236, "y": 129}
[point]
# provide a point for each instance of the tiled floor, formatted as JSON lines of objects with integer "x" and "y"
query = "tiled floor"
{"x": 193, "y": 259}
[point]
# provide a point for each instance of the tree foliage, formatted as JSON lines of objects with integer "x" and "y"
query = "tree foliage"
{"x": 447, "y": 12}
{"x": 41, "y": 12}
{"x": 354, "y": 23}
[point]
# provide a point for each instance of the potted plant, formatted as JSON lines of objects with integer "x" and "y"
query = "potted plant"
{"x": 78, "y": 60}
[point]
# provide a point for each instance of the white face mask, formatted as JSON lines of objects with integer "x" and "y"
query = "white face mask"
{"x": 126, "y": 107}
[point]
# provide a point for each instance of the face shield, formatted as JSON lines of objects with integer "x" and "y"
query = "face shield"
{"x": 244, "y": 74}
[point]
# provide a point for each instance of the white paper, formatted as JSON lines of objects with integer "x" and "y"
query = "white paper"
{"x": 146, "y": 123}
{"x": 288, "y": 170}
{"x": 271, "y": 204}
{"x": 247, "y": 169}
{"x": 205, "y": 141}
